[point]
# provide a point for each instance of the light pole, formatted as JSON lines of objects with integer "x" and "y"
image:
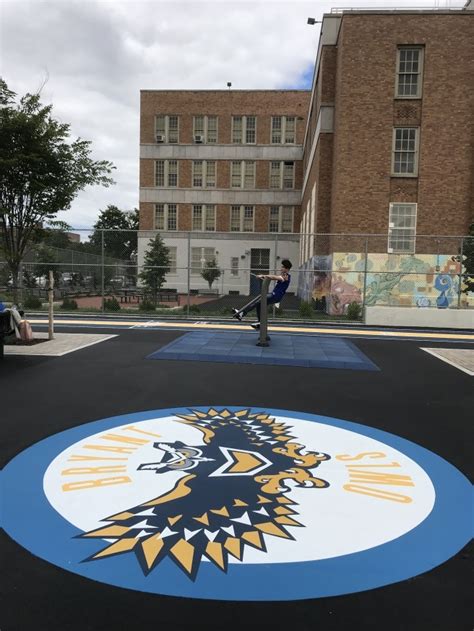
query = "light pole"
{"x": 312, "y": 21}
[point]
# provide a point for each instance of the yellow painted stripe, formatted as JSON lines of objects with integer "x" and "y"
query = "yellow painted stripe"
{"x": 275, "y": 329}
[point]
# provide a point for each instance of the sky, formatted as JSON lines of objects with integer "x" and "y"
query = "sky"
{"x": 91, "y": 59}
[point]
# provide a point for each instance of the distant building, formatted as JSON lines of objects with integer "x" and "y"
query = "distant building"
{"x": 227, "y": 166}
{"x": 383, "y": 144}
{"x": 74, "y": 237}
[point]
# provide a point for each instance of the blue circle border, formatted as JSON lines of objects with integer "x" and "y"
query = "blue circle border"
{"x": 441, "y": 535}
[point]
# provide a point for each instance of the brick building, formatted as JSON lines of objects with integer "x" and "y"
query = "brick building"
{"x": 227, "y": 166}
{"x": 383, "y": 144}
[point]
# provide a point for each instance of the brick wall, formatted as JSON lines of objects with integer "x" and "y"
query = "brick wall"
{"x": 366, "y": 112}
{"x": 264, "y": 104}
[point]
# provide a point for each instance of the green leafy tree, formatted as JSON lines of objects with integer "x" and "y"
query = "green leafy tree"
{"x": 47, "y": 260}
{"x": 119, "y": 229}
{"x": 155, "y": 267}
{"x": 55, "y": 235}
{"x": 211, "y": 272}
{"x": 41, "y": 172}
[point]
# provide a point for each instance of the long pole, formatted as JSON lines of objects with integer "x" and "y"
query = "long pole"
{"x": 461, "y": 256}
{"x": 365, "y": 275}
{"x": 263, "y": 340}
{"x": 103, "y": 272}
{"x": 51, "y": 306}
{"x": 189, "y": 274}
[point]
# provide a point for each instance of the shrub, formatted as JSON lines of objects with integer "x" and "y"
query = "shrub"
{"x": 111, "y": 304}
{"x": 306, "y": 310}
{"x": 146, "y": 305}
{"x": 32, "y": 302}
{"x": 194, "y": 309}
{"x": 354, "y": 310}
{"x": 68, "y": 304}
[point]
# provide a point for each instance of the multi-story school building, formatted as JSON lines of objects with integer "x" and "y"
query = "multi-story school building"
{"x": 383, "y": 144}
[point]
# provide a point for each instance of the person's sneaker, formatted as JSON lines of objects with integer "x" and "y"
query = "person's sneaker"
{"x": 236, "y": 313}
{"x": 256, "y": 326}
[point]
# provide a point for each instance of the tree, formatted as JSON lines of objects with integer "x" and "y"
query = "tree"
{"x": 55, "y": 235}
{"x": 211, "y": 272}
{"x": 40, "y": 171}
{"x": 120, "y": 233}
{"x": 156, "y": 266}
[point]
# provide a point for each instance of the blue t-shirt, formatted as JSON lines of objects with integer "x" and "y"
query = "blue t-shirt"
{"x": 281, "y": 286}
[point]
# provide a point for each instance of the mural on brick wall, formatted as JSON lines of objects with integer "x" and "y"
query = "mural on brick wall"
{"x": 423, "y": 280}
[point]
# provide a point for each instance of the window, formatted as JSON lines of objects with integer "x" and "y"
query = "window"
{"x": 409, "y": 72}
{"x": 234, "y": 266}
{"x": 401, "y": 228}
{"x": 166, "y": 217}
{"x": 206, "y": 128}
{"x": 283, "y": 130}
{"x": 204, "y": 173}
{"x": 204, "y": 217}
{"x": 172, "y": 258}
{"x": 242, "y": 174}
{"x": 244, "y": 130}
{"x": 282, "y": 175}
{"x": 166, "y": 173}
{"x": 242, "y": 219}
{"x": 167, "y": 128}
{"x": 281, "y": 219}
{"x": 405, "y": 151}
{"x": 199, "y": 258}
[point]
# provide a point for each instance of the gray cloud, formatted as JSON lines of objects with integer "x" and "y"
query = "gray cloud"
{"x": 100, "y": 54}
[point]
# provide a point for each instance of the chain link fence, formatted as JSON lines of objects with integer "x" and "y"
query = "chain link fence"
{"x": 205, "y": 274}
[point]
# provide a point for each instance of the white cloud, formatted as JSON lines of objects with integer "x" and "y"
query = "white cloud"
{"x": 100, "y": 54}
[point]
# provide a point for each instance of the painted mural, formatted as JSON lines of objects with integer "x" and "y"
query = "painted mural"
{"x": 422, "y": 280}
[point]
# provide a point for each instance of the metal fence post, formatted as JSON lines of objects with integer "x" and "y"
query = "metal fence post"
{"x": 276, "y": 269}
{"x": 461, "y": 255}
{"x": 103, "y": 272}
{"x": 264, "y": 339}
{"x": 364, "y": 290}
{"x": 189, "y": 274}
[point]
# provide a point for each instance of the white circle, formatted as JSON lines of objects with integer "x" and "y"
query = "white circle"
{"x": 375, "y": 494}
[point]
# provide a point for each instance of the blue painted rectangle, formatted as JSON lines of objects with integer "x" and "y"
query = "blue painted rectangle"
{"x": 284, "y": 350}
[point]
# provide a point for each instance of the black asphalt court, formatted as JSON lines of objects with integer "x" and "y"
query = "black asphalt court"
{"x": 206, "y": 494}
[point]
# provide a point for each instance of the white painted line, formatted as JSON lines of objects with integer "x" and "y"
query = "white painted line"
{"x": 448, "y": 361}
{"x": 73, "y": 350}
{"x": 52, "y": 354}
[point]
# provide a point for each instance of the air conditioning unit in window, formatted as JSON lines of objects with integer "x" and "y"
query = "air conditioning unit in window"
{"x": 160, "y": 138}
{"x": 198, "y": 138}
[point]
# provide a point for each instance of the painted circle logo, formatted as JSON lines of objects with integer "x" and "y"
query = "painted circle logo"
{"x": 236, "y": 503}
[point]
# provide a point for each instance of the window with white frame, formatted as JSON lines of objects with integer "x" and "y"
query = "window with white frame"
{"x": 234, "y": 266}
{"x": 281, "y": 219}
{"x": 172, "y": 256}
{"x": 242, "y": 174}
{"x": 204, "y": 173}
{"x": 282, "y": 174}
{"x": 283, "y": 130}
{"x": 405, "y": 151}
{"x": 199, "y": 258}
{"x": 204, "y": 217}
{"x": 244, "y": 130}
{"x": 409, "y": 72}
{"x": 166, "y": 173}
{"x": 166, "y": 217}
{"x": 242, "y": 218}
{"x": 401, "y": 228}
{"x": 205, "y": 129}
{"x": 167, "y": 128}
